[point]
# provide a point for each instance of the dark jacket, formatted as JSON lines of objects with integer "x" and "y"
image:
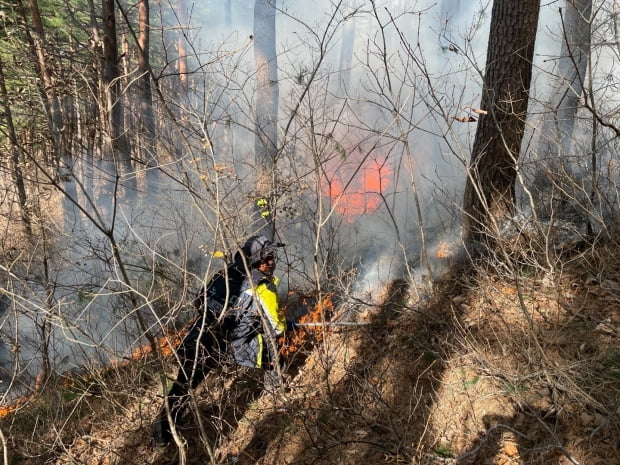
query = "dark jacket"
{"x": 216, "y": 301}
{"x": 258, "y": 322}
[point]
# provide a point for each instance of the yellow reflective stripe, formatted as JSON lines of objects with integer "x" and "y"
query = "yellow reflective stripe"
{"x": 269, "y": 301}
{"x": 259, "y": 355}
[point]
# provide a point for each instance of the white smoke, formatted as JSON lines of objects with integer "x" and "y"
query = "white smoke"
{"x": 171, "y": 232}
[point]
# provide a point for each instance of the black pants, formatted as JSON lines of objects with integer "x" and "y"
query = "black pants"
{"x": 202, "y": 349}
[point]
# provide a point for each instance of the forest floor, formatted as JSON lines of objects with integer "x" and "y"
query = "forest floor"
{"x": 492, "y": 368}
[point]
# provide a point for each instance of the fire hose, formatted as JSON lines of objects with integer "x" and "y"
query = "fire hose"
{"x": 333, "y": 323}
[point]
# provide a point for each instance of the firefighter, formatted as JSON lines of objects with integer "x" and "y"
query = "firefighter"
{"x": 240, "y": 315}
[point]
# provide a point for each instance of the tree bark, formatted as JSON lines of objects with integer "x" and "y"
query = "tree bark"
{"x": 62, "y": 156}
{"x": 95, "y": 111}
{"x": 490, "y": 190}
{"x": 16, "y": 171}
{"x": 149, "y": 150}
{"x": 118, "y": 152}
{"x": 556, "y": 137}
{"x": 181, "y": 45}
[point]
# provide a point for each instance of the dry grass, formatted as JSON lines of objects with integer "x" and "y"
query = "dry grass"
{"x": 492, "y": 369}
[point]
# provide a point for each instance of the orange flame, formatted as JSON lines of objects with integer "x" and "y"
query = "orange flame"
{"x": 444, "y": 250}
{"x": 165, "y": 346}
{"x": 360, "y": 192}
{"x": 321, "y": 312}
{"x": 13, "y": 406}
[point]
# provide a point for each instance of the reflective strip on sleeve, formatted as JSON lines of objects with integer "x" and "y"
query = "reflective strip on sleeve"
{"x": 259, "y": 352}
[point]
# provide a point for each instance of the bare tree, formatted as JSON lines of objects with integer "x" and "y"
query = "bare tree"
{"x": 16, "y": 162}
{"x": 145, "y": 96}
{"x": 568, "y": 87}
{"x": 118, "y": 153}
{"x": 266, "y": 107}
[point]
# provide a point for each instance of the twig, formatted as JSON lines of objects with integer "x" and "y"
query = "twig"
{"x": 5, "y": 452}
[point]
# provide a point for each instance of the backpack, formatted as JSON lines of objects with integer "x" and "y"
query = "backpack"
{"x": 220, "y": 294}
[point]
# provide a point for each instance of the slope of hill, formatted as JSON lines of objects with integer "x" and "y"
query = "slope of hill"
{"x": 495, "y": 367}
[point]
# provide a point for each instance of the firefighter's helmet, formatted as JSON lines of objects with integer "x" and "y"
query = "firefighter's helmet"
{"x": 256, "y": 248}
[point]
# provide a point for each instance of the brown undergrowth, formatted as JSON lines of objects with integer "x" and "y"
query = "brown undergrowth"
{"x": 493, "y": 368}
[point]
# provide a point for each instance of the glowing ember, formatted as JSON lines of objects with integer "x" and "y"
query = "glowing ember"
{"x": 444, "y": 250}
{"x": 13, "y": 406}
{"x": 360, "y": 192}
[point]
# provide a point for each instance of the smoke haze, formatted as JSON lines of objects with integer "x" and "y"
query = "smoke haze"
{"x": 371, "y": 167}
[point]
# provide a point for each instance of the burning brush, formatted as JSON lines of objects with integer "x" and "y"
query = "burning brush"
{"x": 165, "y": 346}
{"x": 311, "y": 326}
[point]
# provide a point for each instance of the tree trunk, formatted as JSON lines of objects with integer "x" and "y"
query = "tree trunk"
{"x": 574, "y": 56}
{"x": 16, "y": 171}
{"x": 118, "y": 153}
{"x": 266, "y": 106}
{"x": 490, "y": 190}
{"x": 181, "y": 45}
{"x": 95, "y": 120}
{"x": 149, "y": 150}
{"x": 62, "y": 156}
{"x": 36, "y": 39}
{"x": 346, "y": 49}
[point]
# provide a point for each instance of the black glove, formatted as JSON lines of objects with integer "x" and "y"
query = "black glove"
{"x": 290, "y": 326}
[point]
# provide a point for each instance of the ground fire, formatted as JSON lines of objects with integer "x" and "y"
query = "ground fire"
{"x": 166, "y": 345}
{"x": 320, "y": 313}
